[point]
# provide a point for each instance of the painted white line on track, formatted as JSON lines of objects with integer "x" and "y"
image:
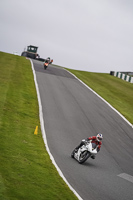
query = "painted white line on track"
{"x": 126, "y": 177}
{"x": 44, "y": 134}
{"x": 102, "y": 99}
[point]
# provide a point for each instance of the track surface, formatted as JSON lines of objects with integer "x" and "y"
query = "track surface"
{"x": 72, "y": 112}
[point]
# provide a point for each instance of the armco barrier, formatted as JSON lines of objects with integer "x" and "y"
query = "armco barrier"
{"x": 122, "y": 76}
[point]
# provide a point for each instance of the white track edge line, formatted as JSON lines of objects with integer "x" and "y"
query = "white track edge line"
{"x": 102, "y": 99}
{"x": 44, "y": 135}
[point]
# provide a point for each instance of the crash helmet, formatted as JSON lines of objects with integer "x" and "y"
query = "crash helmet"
{"x": 99, "y": 137}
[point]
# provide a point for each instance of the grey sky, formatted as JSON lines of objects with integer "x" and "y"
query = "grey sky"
{"x": 90, "y": 35}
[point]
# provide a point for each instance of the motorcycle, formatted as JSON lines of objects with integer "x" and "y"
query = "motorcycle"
{"x": 46, "y": 64}
{"x": 85, "y": 151}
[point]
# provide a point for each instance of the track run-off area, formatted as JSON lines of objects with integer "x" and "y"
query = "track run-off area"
{"x": 72, "y": 112}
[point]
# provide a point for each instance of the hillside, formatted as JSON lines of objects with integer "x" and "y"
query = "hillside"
{"x": 26, "y": 171}
{"x": 117, "y": 92}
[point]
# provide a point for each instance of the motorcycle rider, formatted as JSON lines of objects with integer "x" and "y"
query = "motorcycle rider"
{"x": 96, "y": 142}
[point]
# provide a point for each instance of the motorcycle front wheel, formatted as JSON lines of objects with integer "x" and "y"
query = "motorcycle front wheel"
{"x": 72, "y": 154}
{"x": 84, "y": 156}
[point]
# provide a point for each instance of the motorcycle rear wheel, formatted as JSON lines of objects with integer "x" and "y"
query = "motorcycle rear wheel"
{"x": 84, "y": 156}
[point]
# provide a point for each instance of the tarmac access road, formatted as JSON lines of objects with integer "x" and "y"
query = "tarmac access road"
{"x": 71, "y": 113}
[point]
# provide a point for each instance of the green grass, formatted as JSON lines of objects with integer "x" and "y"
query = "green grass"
{"x": 26, "y": 171}
{"x": 117, "y": 92}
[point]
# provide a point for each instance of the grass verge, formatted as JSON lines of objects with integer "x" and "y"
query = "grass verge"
{"x": 117, "y": 92}
{"x": 26, "y": 171}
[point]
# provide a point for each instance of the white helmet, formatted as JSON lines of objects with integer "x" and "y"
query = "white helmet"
{"x": 99, "y": 137}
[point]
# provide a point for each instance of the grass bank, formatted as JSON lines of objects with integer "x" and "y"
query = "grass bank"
{"x": 117, "y": 92}
{"x": 26, "y": 171}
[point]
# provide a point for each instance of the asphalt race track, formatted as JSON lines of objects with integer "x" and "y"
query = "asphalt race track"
{"x": 71, "y": 113}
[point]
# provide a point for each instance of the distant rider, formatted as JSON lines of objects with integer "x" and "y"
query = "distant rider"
{"x": 96, "y": 142}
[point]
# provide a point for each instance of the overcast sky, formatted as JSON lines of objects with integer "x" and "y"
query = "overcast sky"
{"x": 89, "y": 35}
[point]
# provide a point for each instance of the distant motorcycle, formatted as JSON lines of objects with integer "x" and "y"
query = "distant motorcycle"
{"x": 84, "y": 152}
{"x": 46, "y": 63}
